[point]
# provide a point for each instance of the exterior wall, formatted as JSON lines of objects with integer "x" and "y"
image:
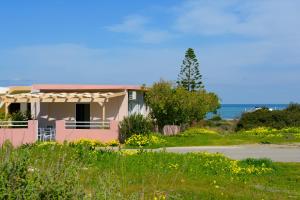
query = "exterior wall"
{"x": 103, "y": 135}
{"x": 138, "y": 105}
{"x": 49, "y": 112}
{"x": 115, "y": 109}
{"x": 19, "y": 136}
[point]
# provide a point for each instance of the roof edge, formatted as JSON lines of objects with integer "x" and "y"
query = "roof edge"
{"x": 84, "y": 87}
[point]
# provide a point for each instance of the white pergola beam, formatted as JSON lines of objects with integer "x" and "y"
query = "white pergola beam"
{"x": 60, "y": 97}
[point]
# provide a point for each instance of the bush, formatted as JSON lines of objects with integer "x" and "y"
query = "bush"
{"x": 177, "y": 106}
{"x": 216, "y": 118}
{"x": 262, "y": 162}
{"x": 2, "y": 116}
{"x": 278, "y": 119}
{"x": 144, "y": 140}
{"x": 86, "y": 143}
{"x": 198, "y": 131}
{"x": 135, "y": 124}
{"x": 19, "y": 116}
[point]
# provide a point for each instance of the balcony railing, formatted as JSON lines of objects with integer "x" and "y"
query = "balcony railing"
{"x": 13, "y": 124}
{"x": 87, "y": 124}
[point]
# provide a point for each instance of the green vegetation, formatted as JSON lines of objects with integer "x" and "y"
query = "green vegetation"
{"x": 16, "y": 116}
{"x": 64, "y": 171}
{"x": 134, "y": 125}
{"x": 145, "y": 140}
{"x": 289, "y": 117}
{"x": 189, "y": 77}
{"x": 205, "y": 137}
{"x": 177, "y": 106}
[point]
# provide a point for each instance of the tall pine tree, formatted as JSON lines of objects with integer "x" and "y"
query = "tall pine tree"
{"x": 189, "y": 76}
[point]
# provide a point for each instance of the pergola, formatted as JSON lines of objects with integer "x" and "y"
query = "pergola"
{"x": 52, "y": 97}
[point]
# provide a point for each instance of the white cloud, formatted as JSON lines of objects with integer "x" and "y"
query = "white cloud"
{"x": 138, "y": 27}
{"x": 224, "y": 71}
{"x": 258, "y": 63}
{"x": 246, "y": 18}
{"x": 130, "y": 24}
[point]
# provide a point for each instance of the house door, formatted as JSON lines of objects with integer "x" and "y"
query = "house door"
{"x": 82, "y": 116}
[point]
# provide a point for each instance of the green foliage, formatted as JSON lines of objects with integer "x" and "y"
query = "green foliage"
{"x": 135, "y": 124}
{"x": 2, "y": 116}
{"x": 278, "y": 119}
{"x": 19, "y": 116}
{"x": 177, "y": 106}
{"x": 20, "y": 180}
{"x": 189, "y": 77}
{"x": 265, "y": 162}
{"x": 197, "y": 131}
{"x": 53, "y": 171}
{"x": 144, "y": 140}
{"x": 216, "y": 118}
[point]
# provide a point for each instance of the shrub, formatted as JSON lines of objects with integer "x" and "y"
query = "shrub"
{"x": 177, "y": 106}
{"x": 113, "y": 143}
{"x": 135, "y": 124}
{"x": 19, "y": 116}
{"x": 2, "y": 116}
{"x": 197, "y": 131}
{"x": 144, "y": 140}
{"x": 216, "y": 118}
{"x": 87, "y": 144}
{"x": 278, "y": 119}
{"x": 263, "y": 162}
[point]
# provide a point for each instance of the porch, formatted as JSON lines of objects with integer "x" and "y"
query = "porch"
{"x": 64, "y": 116}
{"x": 26, "y": 132}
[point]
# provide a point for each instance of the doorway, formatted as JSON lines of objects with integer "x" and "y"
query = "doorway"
{"x": 82, "y": 116}
{"x": 14, "y": 107}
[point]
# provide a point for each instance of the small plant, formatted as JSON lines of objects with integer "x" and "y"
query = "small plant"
{"x": 197, "y": 131}
{"x": 18, "y": 116}
{"x": 86, "y": 144}
{"x": 2, "y": 116}
{"x": 113, "y": 143}
{"x": 144, "y": 140}
{"x": 134, "y": 124}
{"x": 216, "y": 118}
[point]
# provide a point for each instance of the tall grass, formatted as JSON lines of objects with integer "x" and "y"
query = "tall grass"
{"x": 63, "y": 171}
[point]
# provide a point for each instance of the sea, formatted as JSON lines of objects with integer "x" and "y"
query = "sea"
{"x": 234, "y": 111}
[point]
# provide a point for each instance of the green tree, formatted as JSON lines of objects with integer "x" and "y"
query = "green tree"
{"x": 170, "y": 105}
{"x": 189, "y": 76}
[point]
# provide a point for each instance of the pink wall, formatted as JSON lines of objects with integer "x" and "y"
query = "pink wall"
{"x": 103, "y": 135}
{"x": 19, "y": 136}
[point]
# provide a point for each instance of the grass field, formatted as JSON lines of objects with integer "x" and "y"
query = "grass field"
{"x": 226, "y": 139}
{"x": 210, "y": 137}
{"x": 79, "y": 172}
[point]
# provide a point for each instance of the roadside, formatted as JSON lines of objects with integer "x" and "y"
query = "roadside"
{"x": 275, "y": 152}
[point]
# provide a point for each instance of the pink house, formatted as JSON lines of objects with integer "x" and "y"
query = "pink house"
{"x": 69, "y": 112}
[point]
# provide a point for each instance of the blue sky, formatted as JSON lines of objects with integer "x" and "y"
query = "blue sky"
{"x": 249, "y": 51}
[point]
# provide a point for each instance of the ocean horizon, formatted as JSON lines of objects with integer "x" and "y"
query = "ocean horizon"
{"x": 234, "y": 111}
